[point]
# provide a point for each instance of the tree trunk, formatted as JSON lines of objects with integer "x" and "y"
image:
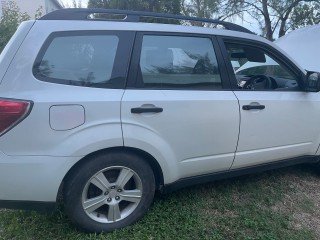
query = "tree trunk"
{"x": 269, "y": 32}
{"x": 284, "y": 19}
{"x": 282, "y": 30}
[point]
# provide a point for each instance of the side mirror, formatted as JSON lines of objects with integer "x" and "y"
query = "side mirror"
{"x": 312, "y": 83}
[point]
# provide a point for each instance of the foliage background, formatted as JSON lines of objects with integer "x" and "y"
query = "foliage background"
{"x": 9, "y": 22}
{"x": 274, "y": 17}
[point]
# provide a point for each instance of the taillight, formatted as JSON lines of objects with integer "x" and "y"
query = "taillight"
{"x": 11, "y": 113}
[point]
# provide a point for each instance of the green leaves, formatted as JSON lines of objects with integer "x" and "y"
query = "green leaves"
{"x": 274, "y": 17}
{"x": 9, "y": 22}
{"x": 305, "y": 14}
{"x": 170, "y": 6}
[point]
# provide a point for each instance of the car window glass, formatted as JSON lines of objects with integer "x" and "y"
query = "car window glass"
{"x": 255, "y": 69}
{"x": 79, "y": 60}
{"x": 178, "y": 62}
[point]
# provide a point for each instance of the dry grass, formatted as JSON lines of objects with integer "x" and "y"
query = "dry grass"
{"x": 303, "y": 202}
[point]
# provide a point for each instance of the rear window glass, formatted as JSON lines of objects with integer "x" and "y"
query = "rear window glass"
{"x": 79, "y": 60}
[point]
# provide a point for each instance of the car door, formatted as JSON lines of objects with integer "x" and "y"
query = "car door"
{"x": 279, "y": 120}
{"x": 175, "y": 106}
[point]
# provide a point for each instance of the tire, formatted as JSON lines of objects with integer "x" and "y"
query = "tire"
{"x": 109, "y": 192}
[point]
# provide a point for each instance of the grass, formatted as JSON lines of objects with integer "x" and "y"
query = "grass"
{"x": 261, "y": 206}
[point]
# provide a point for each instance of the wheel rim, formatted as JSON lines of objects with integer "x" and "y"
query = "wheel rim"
{"x": 112, "y": 194}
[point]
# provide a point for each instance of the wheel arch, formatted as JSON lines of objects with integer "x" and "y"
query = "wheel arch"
{"x": 155, "y": 166}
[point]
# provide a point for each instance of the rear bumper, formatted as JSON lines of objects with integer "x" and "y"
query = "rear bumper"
{"x": 31, "y": 178}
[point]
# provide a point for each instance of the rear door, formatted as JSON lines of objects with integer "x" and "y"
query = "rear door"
{"x": 177, "y": 106}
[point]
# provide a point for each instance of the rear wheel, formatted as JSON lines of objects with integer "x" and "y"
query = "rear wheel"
{"x": 108, "y": 192}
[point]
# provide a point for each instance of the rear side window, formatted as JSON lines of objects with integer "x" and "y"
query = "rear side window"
{"x": 178, "y": 62}
{"x": 80, "y": 60}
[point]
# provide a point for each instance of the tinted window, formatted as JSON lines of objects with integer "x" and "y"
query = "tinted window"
{"x": 178, "y": 62}
{"x": 79, "y": 60}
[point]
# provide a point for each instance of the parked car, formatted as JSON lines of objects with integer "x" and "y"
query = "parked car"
{"x": 303, "y": 46}
{"x": 107, "y": 112}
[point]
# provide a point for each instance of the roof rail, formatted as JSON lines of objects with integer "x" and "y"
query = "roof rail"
{"x": 131, "y": 16}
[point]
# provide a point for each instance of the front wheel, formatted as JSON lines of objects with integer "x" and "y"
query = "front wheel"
{"x": 108, "y": 192}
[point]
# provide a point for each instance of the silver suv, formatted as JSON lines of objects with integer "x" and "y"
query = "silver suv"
{"x": 107, "y": 112}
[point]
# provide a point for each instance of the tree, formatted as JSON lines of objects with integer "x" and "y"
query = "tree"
{"x": 99, "y": 4}
{"x": 9, "y": 22}
{"x": 169, "y": 6}
{"x": 74, "y": 4}
{"x": 306, "y": 14}
{"x": 272, "y": 15}
{"x": 200, "y": 8}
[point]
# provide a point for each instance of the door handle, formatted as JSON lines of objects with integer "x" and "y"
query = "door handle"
{"x": 140, "y": 110}
{"x": 253, "y": 107}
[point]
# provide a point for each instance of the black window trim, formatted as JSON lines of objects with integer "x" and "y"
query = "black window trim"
{"x": 133, "y": 83}
{"x": 277, "y": 55}
{"x": 121, "y": 62}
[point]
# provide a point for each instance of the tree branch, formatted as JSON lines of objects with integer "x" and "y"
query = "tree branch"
{"x": 254, "y": 6}
{"x": 222, "y": 18}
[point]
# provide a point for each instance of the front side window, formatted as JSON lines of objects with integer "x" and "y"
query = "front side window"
{"x": 79, "y": 60}
{"x": 178, "y": 62}
{"x": 255, "y": 69}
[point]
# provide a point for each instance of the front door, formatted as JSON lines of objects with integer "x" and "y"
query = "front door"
{"x": 278, "y": 119}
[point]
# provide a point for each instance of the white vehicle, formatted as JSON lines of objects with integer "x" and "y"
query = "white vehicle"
{"x": 108, "y": 112}
{"x": 303, "y": 46}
